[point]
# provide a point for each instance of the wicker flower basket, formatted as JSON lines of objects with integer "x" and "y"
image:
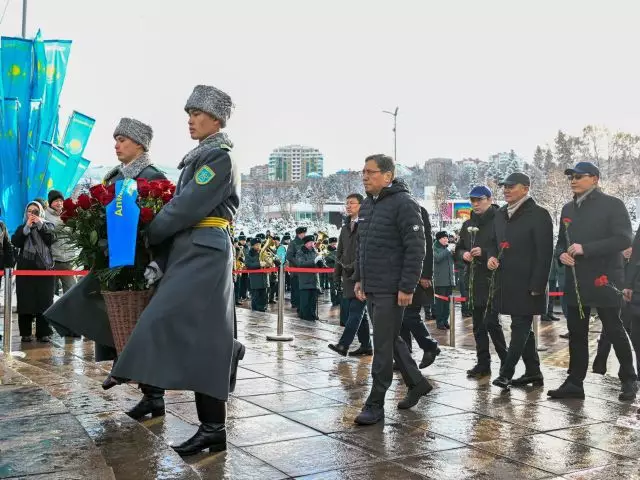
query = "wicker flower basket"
{"x": 124, "y": 309}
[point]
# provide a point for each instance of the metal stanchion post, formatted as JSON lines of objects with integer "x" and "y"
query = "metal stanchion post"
{"x": 452, "y": 321}
{"x": 6, "y": 336}
{"x": 536, "y": 333}
{"x": 280, "y": 336}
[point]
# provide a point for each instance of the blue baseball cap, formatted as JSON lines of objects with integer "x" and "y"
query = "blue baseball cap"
{"x": 583, "y": 168}
{"x": 480, "y": 191}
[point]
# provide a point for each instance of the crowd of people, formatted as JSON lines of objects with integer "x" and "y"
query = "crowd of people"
{"x": 388, "y": 267}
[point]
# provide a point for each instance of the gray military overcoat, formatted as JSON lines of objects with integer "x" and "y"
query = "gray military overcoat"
{"x": 184, "y": 338}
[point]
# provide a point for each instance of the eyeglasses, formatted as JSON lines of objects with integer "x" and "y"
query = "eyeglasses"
{"x": 368, "y": 173}
{"x": 578, "y": 176}
{"x": 33, "y": 212}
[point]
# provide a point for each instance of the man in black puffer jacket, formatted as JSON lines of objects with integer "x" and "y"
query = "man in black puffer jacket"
{"x": 391, "y": 248}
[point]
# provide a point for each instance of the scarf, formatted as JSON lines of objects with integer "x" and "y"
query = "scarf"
{"x": 34, "y": 247}
{"x": 583, "y": 197}
{"x": 217, "y": 140}
{"x": 511, "y": 209}
{"x": 132, "y": 169}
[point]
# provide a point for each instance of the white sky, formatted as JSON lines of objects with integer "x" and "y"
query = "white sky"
{"x": 470, "y": 77}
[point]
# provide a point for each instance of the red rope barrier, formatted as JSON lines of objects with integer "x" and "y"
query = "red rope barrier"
{"x": 50, "y": 273}
{"x": 261, "y": 270}
{"x": 309, "y": 270}
{"x": 446, "y": 299}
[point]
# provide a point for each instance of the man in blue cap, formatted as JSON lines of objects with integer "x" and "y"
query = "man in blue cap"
{"x": 475, "y": 240}
{"x": 594, "y": 231}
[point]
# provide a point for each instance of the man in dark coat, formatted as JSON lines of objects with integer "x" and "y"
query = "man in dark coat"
{"x": 184, "y": 339}
{"x": 308, "y": 283}
{"x": 474, "y": 243}
{"x": 352, "y": 310}
{"x": 593, "y": 252}
{"x": 522, "y": 248}
{"x": 391, "y": 248}
{"x": 331, "y": 263}
{"x": 259, "y": 282}
{"x": 412, "y": 324}
{"x": 632, "y": 295}
{"x": 292, "y": 251}
{"x": 443, "y": 278}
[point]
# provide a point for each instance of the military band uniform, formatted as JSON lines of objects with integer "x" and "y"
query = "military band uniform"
{"x": 259, "y": 282}
{"x": 309, "y": 283}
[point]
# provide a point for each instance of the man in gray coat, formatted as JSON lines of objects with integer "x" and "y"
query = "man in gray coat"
{"x": 184, "y": 338}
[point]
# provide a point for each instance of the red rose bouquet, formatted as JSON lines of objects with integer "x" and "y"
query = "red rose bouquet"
{"x": 86, "y": 220}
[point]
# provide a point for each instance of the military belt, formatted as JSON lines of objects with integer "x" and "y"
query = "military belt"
{"x": 213, "y": 222}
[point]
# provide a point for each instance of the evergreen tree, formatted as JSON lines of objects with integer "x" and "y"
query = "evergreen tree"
{"x": 453, "y": 192}
{"x": 564, "y": 150}
{"x": 538, "y": 158}
{"x": 548, "y": 160}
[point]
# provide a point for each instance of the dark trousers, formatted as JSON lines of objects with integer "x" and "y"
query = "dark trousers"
{"x": 335, "y": 295}
{"x": 579, "y": 342}
{"x": 386, "y": 316}
{"x": 273, "y": 287}
{"x": 442, "y": 306}
{"x": 523, "y": 344}
{"x": 413, "y": 324}
{"x": 356, "y": 322}
{"x": 244, "y": 285}
{"x": 464, "y": 292}
{"x": 259, "y": 299}
{"x": 632, "y": 326}
{"x": 25, "y": 325}
{"x": 210, "y": 410}
{"x": 309, "y": 304}
{"x": 295, "y": 292}
{"x": 324, "y": 280}
{"x": 483, "y": 328}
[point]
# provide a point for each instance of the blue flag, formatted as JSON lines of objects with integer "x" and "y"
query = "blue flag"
{"x": 12, "y": 206}
{"x": 82, "y": 166}
{"x": 39, "y": 68}
{"x": 74, "y": 142}
{"x": 123, "y": 215}
{"x": 57, "y": 56}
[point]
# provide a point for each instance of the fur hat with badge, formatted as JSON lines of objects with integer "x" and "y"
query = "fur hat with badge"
{"x": 442, "y": 234}
{"x": 308, "y": 238}
{"x": 135, "y": 130}
{"x": 211, "y": 100}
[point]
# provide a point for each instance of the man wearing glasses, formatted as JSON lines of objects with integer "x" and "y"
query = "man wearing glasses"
{"x": 599, "y": 230}
{"x": 391, "y": 248}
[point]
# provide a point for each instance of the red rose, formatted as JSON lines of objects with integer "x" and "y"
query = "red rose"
{"x": 106, "y": 199}
{"x": 155, "y": 183}
{"x": 602, "y": 281}
{"x": 97, "y": 191}
{"x": 84, "y": 201}
{"x": 64, "y": 216}
{"x": 165, "y": 184}
{"x": 146, "y": 215}
{"x": 172, "y": 189}
{"x": 111, "y": 189}
{"x": 566, "y": 221}
{"x": 144, "y": 189}
{"x": 166, "y": 197}
{"x": 156, "y": 191}
{"x": 504, "y": 245}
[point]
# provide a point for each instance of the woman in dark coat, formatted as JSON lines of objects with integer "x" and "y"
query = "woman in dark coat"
{"x": 35, "y": 294}
{"x": 6, "y": 251}
{"x": 308, "y": 283}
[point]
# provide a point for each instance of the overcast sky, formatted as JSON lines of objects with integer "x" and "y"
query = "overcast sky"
{"x": 470, "y": 77}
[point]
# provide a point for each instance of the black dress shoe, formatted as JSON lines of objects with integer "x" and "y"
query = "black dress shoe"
{"x": 45, "y": 339}
{"x": 479, "y": 371}
{"x": 536, "y": 379}
{"x": 369, "y": 415}
{"x": 341, "y": 349}
{"x": 567, "y": 390}
{"x": 415, "y": 394}
{"x": 564, "y": 335}
{"x": 629, "y": 391}
{"x": 109, "y": 382}
{"x": 429, "y": 357}
{"x": 361, "y": 352}
{"x": 502, "y": 382}
{"x": 152, "y": 403}
{"x": 209, "y": 435}
{"x": 238, "y": 354}
{"x": 552, "y": 317}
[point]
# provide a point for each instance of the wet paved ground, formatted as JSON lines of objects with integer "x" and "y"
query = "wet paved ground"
{"x": 292, "y": 417}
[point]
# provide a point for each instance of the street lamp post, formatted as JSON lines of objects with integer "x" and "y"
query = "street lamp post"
{"x": 24, "y": 18}
{"x": 394, "y": 114}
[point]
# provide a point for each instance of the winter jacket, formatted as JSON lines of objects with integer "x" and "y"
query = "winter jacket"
{"x": 424, "y": 296}
{"x": 306, "y": 258}
{"x": 602, "y": 226}
{"x": 61, "y": 249}
{"x": 391, "y": 245}
{"x": 7, "y": 259}
{"x": 525, "y": 265}
{"x": 256, "y": 280}
{"x": 484, "y": 236}
{"x": 443, "y": 265}
{"x": 632, "y": 271}
{"x": 331, "y": 256}
{"x": 292, "y": 250}
{"x": 346, "y": 257}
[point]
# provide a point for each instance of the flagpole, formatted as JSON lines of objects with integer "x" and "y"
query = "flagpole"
{"x": 24, "y": 18}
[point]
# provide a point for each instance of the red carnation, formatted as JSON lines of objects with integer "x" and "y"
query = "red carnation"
{"x": 566, "y": 220}
{"x": 84, "y": 201}
{"x": 166, "y": 197}
{"x": 97, "y": 191}
{"x": 146, "y": 215}
{"x": 504, "y": 245}
{"x": 602, "y": 281}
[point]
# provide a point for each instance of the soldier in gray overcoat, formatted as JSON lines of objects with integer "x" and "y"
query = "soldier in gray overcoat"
{"x": 184, "y": 340}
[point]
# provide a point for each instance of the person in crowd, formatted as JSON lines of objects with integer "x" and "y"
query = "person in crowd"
{"x": 522, "y": 250}
{"x": 308, "y": 283}
{"x": 472, "y": 247}
{"x": 631, "y": 294}
{"x": 274, "y": 276}
{"x": 330, "y": 260}
{"x": 412, "y": 324}
{"x": 239, "y": 264}
{"x": 63, "y": 253}
{"x": 70, "y": 313}
{"x": 33, "y": 239}
{"x": 243, "y": 282}
{"x": 200, "y": 354}
{"x": 259, "y": 281}
{"x": 443, "y": 279}
{"x": 554, "y": 287}
{"x": 292, "y": 252}
{"x": 6, "y": 251}
{"x": 391, "y": 248}
{"x": 324, "y": 277}
{"x": 282, "y": 253}
{"x": 593, "y": 252}
{"x": 353, "y": 313}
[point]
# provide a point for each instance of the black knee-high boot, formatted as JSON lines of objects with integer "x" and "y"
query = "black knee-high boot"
{"x": 152, "y": 403}
{"x": 212, "y": 433}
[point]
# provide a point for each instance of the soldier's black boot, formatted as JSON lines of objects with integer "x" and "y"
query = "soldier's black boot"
{"x": 212, "y": 433}
{"x": 152, "y": 403}
{"x": 238, "y": 354}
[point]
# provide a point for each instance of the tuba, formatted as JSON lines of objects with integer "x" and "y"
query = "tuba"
{"x": 320, "y": 246}
{"x": 266, "y": 254}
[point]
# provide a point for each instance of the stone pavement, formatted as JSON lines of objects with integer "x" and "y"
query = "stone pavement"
{"x": 292, "y": 417}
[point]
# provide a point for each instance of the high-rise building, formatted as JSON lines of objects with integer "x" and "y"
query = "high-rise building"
{"x": 293, "y": 163}
{"x": 259, "y": 172}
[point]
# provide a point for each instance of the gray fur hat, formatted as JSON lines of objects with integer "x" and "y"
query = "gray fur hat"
{"x": 137, "y": 131}
{"x": 212, "y": 101}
